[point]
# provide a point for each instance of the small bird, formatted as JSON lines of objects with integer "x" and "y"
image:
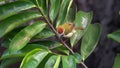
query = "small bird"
{"x": 68, "y": 29}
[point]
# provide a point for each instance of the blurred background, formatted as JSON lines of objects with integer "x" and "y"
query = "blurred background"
{"x": 105, "y": 12}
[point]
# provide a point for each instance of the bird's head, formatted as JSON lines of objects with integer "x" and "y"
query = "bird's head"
{"x": 65, "y": 29}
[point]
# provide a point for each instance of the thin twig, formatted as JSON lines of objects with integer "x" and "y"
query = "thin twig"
{"x": 66, "y": 46}
{"x": 84, "y": 65}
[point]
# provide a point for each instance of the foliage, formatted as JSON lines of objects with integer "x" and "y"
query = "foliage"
{"x": 116, "y": 37}
{"x": 117, "y": 61}
{"x": 31, "y": 44}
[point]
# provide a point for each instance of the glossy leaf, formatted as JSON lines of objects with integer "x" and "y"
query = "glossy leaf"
{"x": 115, "y": 36}
{"x": 7, "y": 55}
{"x": 8, "y": 62}
{"x": 43, "y": 62}
{"x": 68, "y": 62}
{"x": 30, "y": 47}
{"x": 71, "y": 14}
{"x": 46, "y": 33}
{"x": 64, "y": 8}
{"x": 14, "y": 21}
{"x": 49, "y": 44}
{"x": 90, "y": 40}
{"x": 76, "y": 37}
{"x": 33, "y": 58}
{"x": 117, "y": 61}
{"x": 24, "y": 36}
{"x": 10, "y": 9}
{"x": 54, "y": 9}
{"x": 8, "y": 37}
{"x": 22, "y": 52}
{"x": 82, "y": 20}
{"x": 62, "y": 50}
{"x": 77, "y": 57}
{"x": 42, "y": 5}
{"x": 53, "y": 62}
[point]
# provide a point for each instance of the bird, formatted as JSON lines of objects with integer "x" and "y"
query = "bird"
{"x": 68, "y": 29}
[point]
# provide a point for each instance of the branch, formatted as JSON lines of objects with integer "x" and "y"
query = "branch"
{"x": 84, "y": 65}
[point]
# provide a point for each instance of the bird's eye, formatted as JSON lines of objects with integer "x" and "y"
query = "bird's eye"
{"x": 70, "y": 24}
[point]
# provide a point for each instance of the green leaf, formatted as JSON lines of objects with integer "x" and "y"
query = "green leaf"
{"x": 77, "y": 57}
{"x": 24, "y": 36}
{"x": 53, "y": 62}
{"x": 42, "y": 5}
{"x": 14, "y": 21}
{"x": 30, "y": 47}
{"x": 62, "y": 49}
{"x": 117, "y": 61}
{"x": 68, "y": 62}
{"x": 10, "y": 9}
{"x": 5, "y": 43}
{"x": 2, "y": 0}
{"x": 71, "y": 14}
{"x": 54, "y": 9}
{"x": 64, "y": 9}
{"x": 22, "y": 52}
{"x": 8, "y": 62}
{"x": 90, "y": 40}
{"x": 82, "y": 20}
{"x": 46, "y": 33}
{"x": 7, "y": 55}
{"x": 115, "y": 36}
{"x": 43, "y": 62}
{"x": 49, "y": 44}
{"x": 8, "y": 37}
{"x": 33, "y": 58}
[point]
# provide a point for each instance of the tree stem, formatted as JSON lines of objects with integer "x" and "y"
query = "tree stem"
{"x": 67, "y": 46}
{"x": 84, "y": 65}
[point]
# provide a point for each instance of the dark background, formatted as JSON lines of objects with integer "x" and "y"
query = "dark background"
{"x": 106, "y": 13}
